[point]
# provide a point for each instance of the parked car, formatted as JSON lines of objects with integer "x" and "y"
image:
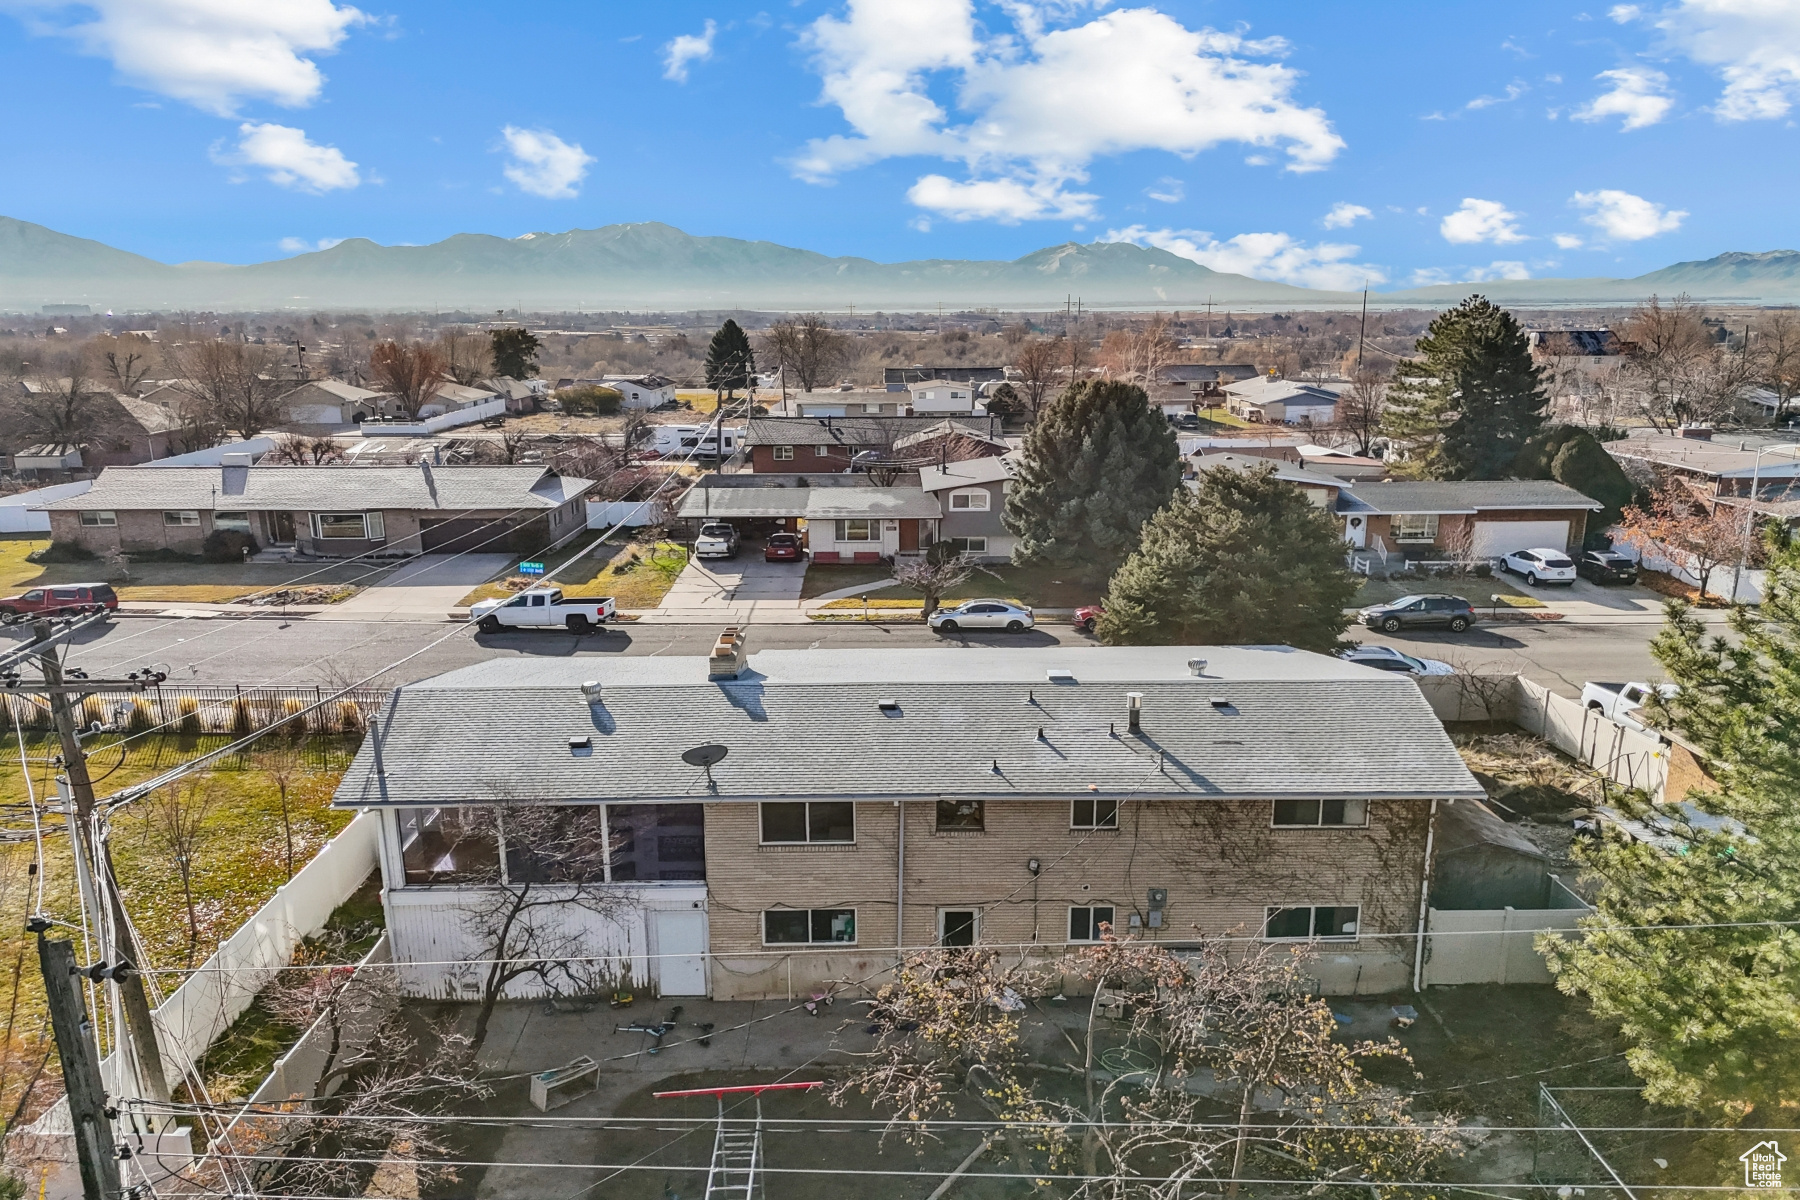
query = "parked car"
{"x": 983, "y": 614}
{"x": 540, "y": 608}
{"x": 717, "y": 540}
{"x": 1540, "y": 566}
{"x": 1386, "y": 658}
{"x": 1619, "y": 701}
{"x": 783, "y": 547}
{"x": 1088, "y": 616}
{"x": 1420, "y": 612}
{"x": 65, "y": 600}
{"x": 1606, "y": 566}
{"x": 1185, "y": 421}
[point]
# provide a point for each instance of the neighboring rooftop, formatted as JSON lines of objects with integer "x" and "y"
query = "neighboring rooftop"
{"x": 968, "y": 472}
{"x": 907, "y": 376}
{"x": 325, "y": 488}
{"x": 1733, "y": 457}
{"x": 854, "y": 431}
{"x": 1467, "y": 496}
{"x": 1285, "y": 471}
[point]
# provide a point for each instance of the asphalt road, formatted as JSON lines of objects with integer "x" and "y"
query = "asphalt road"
{"x": 1561, "y": 656}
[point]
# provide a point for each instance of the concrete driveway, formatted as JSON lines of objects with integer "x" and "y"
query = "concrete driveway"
{"x": 422, "y": 589}
{"x": 744, "y": 588}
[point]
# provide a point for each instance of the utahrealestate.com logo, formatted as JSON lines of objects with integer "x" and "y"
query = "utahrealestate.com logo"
{"x": 1762, "y": 1165}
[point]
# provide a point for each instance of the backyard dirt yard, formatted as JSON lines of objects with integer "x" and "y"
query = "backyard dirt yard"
{"x": 178, "y": 582}
{"x": 635, "y": 575}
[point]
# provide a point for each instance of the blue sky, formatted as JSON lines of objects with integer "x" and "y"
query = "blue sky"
{"x": 1309, "y": 142}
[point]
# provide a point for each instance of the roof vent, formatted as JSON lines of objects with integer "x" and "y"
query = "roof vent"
{"x": 591, "y": 690}
{"x": 1221, "y": 702}
{"x": 237, "y": 458}
{"x": 888, "y": 706}
{"x": 583, "y": 742}
{"x": 1197, "y": 665}
{"x": 1134, "y": 710}
{"x": 1060, "y": 676}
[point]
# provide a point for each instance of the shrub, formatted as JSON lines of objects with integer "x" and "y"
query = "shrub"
{"x": 242, "y": 719}
{"x": 189, "y": 724}
{"x": 227, "y": 546}
{"x": 350, "y": 717}
{"x": 142, "y": 718}
{"x": 294, "y": 729}
{"x": 591, "y": 401}
{"x": 1483, "y": 570}
{"x": 61, "y": 552}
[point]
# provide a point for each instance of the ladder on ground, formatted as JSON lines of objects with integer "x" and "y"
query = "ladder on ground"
{"x": 736, "y": 1170}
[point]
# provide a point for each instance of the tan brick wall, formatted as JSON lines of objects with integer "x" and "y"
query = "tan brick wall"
{"x": 1221, "y": 862}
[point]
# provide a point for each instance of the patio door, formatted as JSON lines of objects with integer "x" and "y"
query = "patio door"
{"x": 681, "y": 952}
{"x": 281, "y": 527}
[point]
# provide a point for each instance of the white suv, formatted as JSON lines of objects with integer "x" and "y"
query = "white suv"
{"x": 1541, "y": 566}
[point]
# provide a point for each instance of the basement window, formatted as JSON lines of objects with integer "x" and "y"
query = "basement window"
{"x": 1312, "y": 813}
{"x": 1318, "y": 922}
{"x": 786, "y": 823}
{"x": 809, "y": 926}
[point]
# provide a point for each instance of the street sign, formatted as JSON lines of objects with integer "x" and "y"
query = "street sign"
{"x": 526, "y": 568}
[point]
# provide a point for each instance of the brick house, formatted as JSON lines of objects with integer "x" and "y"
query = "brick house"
{"x": 843, "y": 518}
{"x": 1485, "y": 518}
{"x": 332, "y": 511}
{"x": 871, "y": 800}
{"x": 810, "y": 444}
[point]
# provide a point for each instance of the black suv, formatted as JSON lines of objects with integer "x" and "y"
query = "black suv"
{"x": 1420, "y": 612}
{"x": 1604, "y": 566}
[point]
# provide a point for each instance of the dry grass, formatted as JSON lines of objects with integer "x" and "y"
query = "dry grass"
{"x": 194, "y": 582}
{"x": 635, "y": 576}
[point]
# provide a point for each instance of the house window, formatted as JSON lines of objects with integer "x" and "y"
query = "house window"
{"x": 1306, "y": 813}
{"x": 364, "y": 526}
{"x": 821, "y": 451}
{"x": 960, "y": 815}
{"x": 1415, "y": 527}
{"x": 969, "y": 545}
{"x": 239, "y": 521}
{"x": 958, "y": 926}
{"x": 793, "y": 823}
{"x": 859, "y": 530}
{"x": 1093, "y": 814}
{"x": 1311, "y": 922}
{"x": 809, "y": 926}
{"x": 657, "y": 843}
{"x": 448, "y": 845}
{"x": 185, "y": 516}
{"x": 971, "y": 500}
{"x": 100, "y": 517}
{"x": 555, "y": 843}
{"x": 784, "y": 453}
{"x": 1085, "y": 922}
{"x": 871, "y": 408}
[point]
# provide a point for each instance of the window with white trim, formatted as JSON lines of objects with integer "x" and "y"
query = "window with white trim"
{"x": 1312, "y": 922}
{"x": 858, "y": 530}
{"x": 364, "y": 526}
{"x": 1415, "y": 527}
{"x": 969, "y": 545}
{"x": 783, "y": 453}
{"x": 180, "y": 517}
{"x": 1312, "y": 813}
{"x": 970, "y": 500}
{"x": 1094, "y": 814}
{"x": 809, "y": 926}
{"x": 239, "y": 521}
{"x": 800, "y": 822}
{"x": 100, "y": 517}
{"x": 1086, "y": 920}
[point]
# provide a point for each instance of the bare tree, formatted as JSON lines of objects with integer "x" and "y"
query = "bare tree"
{"x": 59, "y": 402}
{"x": 1359, "y": 411}
{"x": 1775, "y": 357}
{"x": 935, "y": 572}
{"x": 1675, "y": 370}
{"x": 1036, "y": 360}
{"x": 125, "y": 363}
{"x": 302, "y": 451}
{"x": 410, "y": 373}
{"x": 807, "y": 349}
{"x": 468, "y": 356}
{"x": 176, "y": 822}
{"x": 234, "y": 381}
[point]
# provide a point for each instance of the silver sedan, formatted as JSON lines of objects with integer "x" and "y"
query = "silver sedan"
{"x": 983, "y": 614}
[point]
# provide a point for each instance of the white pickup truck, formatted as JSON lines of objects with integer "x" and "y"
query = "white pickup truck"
{"x": 1618, "y": 701}
{"x": 540, "y": 608}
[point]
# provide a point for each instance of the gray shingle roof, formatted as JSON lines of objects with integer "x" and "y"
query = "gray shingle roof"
{"x": 330, "y": 487}
{"x": 502, "y": 728}
{"x": 1468, "y": 496}
{"x": 992, "y": 469}
{"x": 891, "y": 502}
{"x": 849, "y": 431}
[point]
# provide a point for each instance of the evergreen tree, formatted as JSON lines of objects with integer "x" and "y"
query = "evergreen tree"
{"x": 1694, "y": 949}
{"x": 1094, "y": 467}
{"x": 1248, "y": 558}
{"x": 1571, "y": 455}
{"x": 1465, "y": 408}
{"x": 730, "y": 362}
{"x": 515, "y": 353}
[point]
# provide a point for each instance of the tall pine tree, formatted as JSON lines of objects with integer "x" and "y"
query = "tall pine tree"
{"x": 1466, "y": 407}
{"x": 1246, "y": 559}
{"x": 1094, "y": 467}
{"x": 730, "y": 361}
{"x": 515, "y": 353}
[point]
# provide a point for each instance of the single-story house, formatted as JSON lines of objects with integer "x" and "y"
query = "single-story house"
{"x": 639, "y": 391}
{"x": 861, "y": 801}
{"x": 333, "y": 511}
{"x": 788, "y": 444}
{"x": 1715, "y": 466}
{"x": 1562, "y": 345}
{"x": 521, "y": 395}
{"x": 453, "y": 397}
{"x": 844, "y": 517}
{"x": 1482, "y": 518}
{"x": 943, "y": 397}
{"x": 900, "y": 379}
{"x": 842, "y": 402}
{"x": 972, "y": 494}
{"x": 132, "y": 430}
{"x": 330, "y": 403}
{"x": 1271, "y": 401}
{"x": 1321, "y": 489}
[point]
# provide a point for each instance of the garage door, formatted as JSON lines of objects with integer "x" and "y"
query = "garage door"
{"x": 1494, "y": 538}
{"x": 463, "y": 533}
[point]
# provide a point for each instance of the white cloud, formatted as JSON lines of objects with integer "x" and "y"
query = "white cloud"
{"x": 543, "y": 164}
{"x": 1567, "y": 241}
{"x": 1497, "y": 270}
{"x": 1753, "y": 44}
{"x": 1427, "y": 276}
{"x": 1343, "y": 216}
{"x": 213, "y": 54}
{"x": 1638, "y": 94}
{"x": 1261, "y": 256}
{"x": 1167, "y": 190}
{"x": 1008, "y": 201}
{"x": 1481, "y": 221}
{"x": 686, "y": 49}
{"x": 1624, "y": 217}
{"x": 294, "y": 245}
{"x": 1034, "y": 107}
{"x": 287, "y": 158}
{"x": 1623, "y": 13}
{"x": 1513, "y": 92}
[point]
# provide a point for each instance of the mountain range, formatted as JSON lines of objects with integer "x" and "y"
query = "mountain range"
{"x": 655, "y": 266}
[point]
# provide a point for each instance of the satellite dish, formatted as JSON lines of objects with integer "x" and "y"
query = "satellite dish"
{"x": 706, "y": 756}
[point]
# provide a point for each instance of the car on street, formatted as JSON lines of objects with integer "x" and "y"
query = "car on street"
{"x": 1606, "y": 566}
{"x": 1540, "y": 566}
{"x": 983, "y": 614}
{"x": 1420, "y": 612}
{"x": 61, "y": 601}
{"x": 1088, "y": 616}
{"x": 783, "y": 547}
{"x": 1386, "y": 658}
{"x": 717, "y": 539}
{"x": 540, "y": 608}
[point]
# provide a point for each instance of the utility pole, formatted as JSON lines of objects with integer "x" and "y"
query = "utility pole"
{"x": 121, "y": 946}
{"x": 1362, "y": 329}
{"x": 94, "y": 1146}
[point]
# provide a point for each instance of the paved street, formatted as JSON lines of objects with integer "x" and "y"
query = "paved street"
{"x": 1559, "y": 655}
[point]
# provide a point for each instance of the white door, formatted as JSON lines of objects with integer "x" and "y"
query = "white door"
{"x": 1496, "y": 538}
{"x": 681, "y": 953}
{"x": 1356, "y": 531}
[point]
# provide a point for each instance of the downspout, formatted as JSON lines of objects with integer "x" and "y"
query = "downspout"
{"x": 1424, "y": 899}
{"x": 900, "y": 882}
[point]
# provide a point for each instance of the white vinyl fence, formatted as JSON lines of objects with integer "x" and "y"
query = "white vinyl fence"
{"x": 429, "y": 425}
{"x": 15, "y": 510}
{"x": 1491, "y": 945}
{"x": 604, "y": 514}
{"x": 297, "y": 1072}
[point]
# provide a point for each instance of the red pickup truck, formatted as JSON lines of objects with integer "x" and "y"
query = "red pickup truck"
{"x": 64, "y": 600}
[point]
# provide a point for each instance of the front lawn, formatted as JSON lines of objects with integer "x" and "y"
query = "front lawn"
{"x": 1042, "y": 587}
{"x": 191, "y": 582}
{"x": 635, "y": 575}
